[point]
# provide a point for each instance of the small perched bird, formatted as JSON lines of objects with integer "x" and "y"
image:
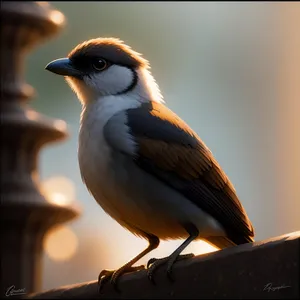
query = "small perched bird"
{"x": 143, "y": 164}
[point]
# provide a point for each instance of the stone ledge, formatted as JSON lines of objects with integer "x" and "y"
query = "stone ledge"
{"x": 266, "y": 269}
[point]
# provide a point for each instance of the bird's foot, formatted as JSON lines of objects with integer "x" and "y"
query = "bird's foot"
{"x": 154, "y": 263}
{"x": 114, "y": 275}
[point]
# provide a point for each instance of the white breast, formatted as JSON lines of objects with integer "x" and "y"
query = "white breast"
{"x": 94, "y": 154}
{"x": 129, "y": 195}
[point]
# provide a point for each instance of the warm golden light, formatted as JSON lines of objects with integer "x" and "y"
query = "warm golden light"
{"x": 58, "y": 190}
{"x": 201, "y": 247}
{"x": 57, "y": 17}
{"x": 61, "y": 244}
{"x": 32, "y": 115}
{"x": 35, "y": 116}
{"x": 60, "y": 125}
{"x": 41, "y": 3}
{"x": 59, "y": 199}
{"x": 124, "y": 246}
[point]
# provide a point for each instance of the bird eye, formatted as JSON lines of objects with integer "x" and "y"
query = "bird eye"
{"x": 99, "y": 64}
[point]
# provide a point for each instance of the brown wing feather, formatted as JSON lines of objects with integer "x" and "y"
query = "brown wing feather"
{"x": 193, "y": 165}
{"x": 171, "y": 151}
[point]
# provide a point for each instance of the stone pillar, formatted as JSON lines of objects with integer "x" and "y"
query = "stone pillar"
{"x": 26, "y": 215}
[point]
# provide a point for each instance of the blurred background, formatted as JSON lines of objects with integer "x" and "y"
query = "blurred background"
{"x": 230, "y": 70}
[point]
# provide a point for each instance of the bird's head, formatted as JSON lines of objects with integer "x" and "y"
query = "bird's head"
{"x": 105, "y": 66}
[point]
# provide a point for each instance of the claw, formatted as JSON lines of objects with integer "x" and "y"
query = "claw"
{"x": 151, "y": 261}
{"x": 114, "y": 282}
{"x": 103, "y": 277}
{"x": 113, "y": 276}
{"x": 154, "y": 263}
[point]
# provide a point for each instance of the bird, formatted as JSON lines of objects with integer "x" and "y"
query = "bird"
{"x": 142, "y": 163}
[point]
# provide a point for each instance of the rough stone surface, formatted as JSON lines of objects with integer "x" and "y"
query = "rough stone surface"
{"x": 263, "y": 270}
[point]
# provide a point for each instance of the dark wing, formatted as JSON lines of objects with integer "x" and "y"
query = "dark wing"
{"x": 171, "y": 151}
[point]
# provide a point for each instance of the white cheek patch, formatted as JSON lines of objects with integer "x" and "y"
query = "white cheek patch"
{"x": 111, "y": 81}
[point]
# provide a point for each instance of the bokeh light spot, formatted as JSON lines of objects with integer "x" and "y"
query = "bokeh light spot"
{"x": 58, "y": 190}
{"x": 61, "y": 244}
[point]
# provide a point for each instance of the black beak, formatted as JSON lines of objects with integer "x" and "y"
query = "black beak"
{"x": 63, "y": 66}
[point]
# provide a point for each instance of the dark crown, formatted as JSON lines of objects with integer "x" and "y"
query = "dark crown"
{"x": 111, "y": 49}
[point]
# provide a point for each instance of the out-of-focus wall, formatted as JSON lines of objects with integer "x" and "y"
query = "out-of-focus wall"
{"x": 231, "y": 70}
{"x": 288, "y": 115}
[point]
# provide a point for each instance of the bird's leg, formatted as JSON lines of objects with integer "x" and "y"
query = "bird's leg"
{"x": 113, "y": 276}
{"x": 153, "y": 264}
